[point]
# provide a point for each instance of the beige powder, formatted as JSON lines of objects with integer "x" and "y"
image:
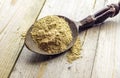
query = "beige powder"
{"x": 74, "y": 52}
{"x": 52, "y": 34}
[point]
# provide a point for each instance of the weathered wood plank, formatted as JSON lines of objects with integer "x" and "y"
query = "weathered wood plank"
{"x": 16, "y": 16}
{"x": 58, "y": 67}
{"x": 107, "y": 61}
{"x": 27, "y": 65}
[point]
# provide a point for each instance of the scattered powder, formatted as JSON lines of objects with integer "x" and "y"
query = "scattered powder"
{"x": 23, "y": 35}
{"x": 74, "y": 52}
{"x": 52, "y": 34}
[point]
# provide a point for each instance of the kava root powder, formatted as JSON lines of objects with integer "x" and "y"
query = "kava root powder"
{"x": 52, "y": 34}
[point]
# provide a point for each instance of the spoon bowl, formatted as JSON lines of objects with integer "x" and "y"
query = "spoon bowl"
{"x": 31, "y": 45}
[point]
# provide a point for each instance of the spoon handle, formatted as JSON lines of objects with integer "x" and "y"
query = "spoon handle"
{"x": 99, "y": 17}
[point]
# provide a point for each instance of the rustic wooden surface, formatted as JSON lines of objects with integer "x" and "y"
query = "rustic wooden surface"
{"x": 16, "y": 16}
{"x": 100, "y": 45}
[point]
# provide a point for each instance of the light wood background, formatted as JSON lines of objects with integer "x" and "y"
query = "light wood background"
{"x": 100, "y": 45}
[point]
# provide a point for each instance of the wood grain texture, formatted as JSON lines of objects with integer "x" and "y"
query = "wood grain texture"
{"x": 28, "y": 65}
{"x": 31, "y": 65}
{"x": 16, "y": 16}
{"x": 107, "y": 59}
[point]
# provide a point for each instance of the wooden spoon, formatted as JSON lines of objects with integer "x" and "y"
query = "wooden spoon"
{"x": 76, "y": 27}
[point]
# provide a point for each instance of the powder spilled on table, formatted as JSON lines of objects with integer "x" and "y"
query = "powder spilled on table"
{"x": 74, "y": 52}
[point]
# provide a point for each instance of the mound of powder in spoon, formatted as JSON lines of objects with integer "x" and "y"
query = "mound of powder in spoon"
{"x": 52, "y": 34}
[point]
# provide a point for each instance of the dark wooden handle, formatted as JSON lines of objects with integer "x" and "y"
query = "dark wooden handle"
{"x": 99, "y": 17}
{"x": 119, "y": 5}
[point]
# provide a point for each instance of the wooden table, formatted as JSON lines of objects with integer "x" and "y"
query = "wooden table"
{"x": 100, "y": 45}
